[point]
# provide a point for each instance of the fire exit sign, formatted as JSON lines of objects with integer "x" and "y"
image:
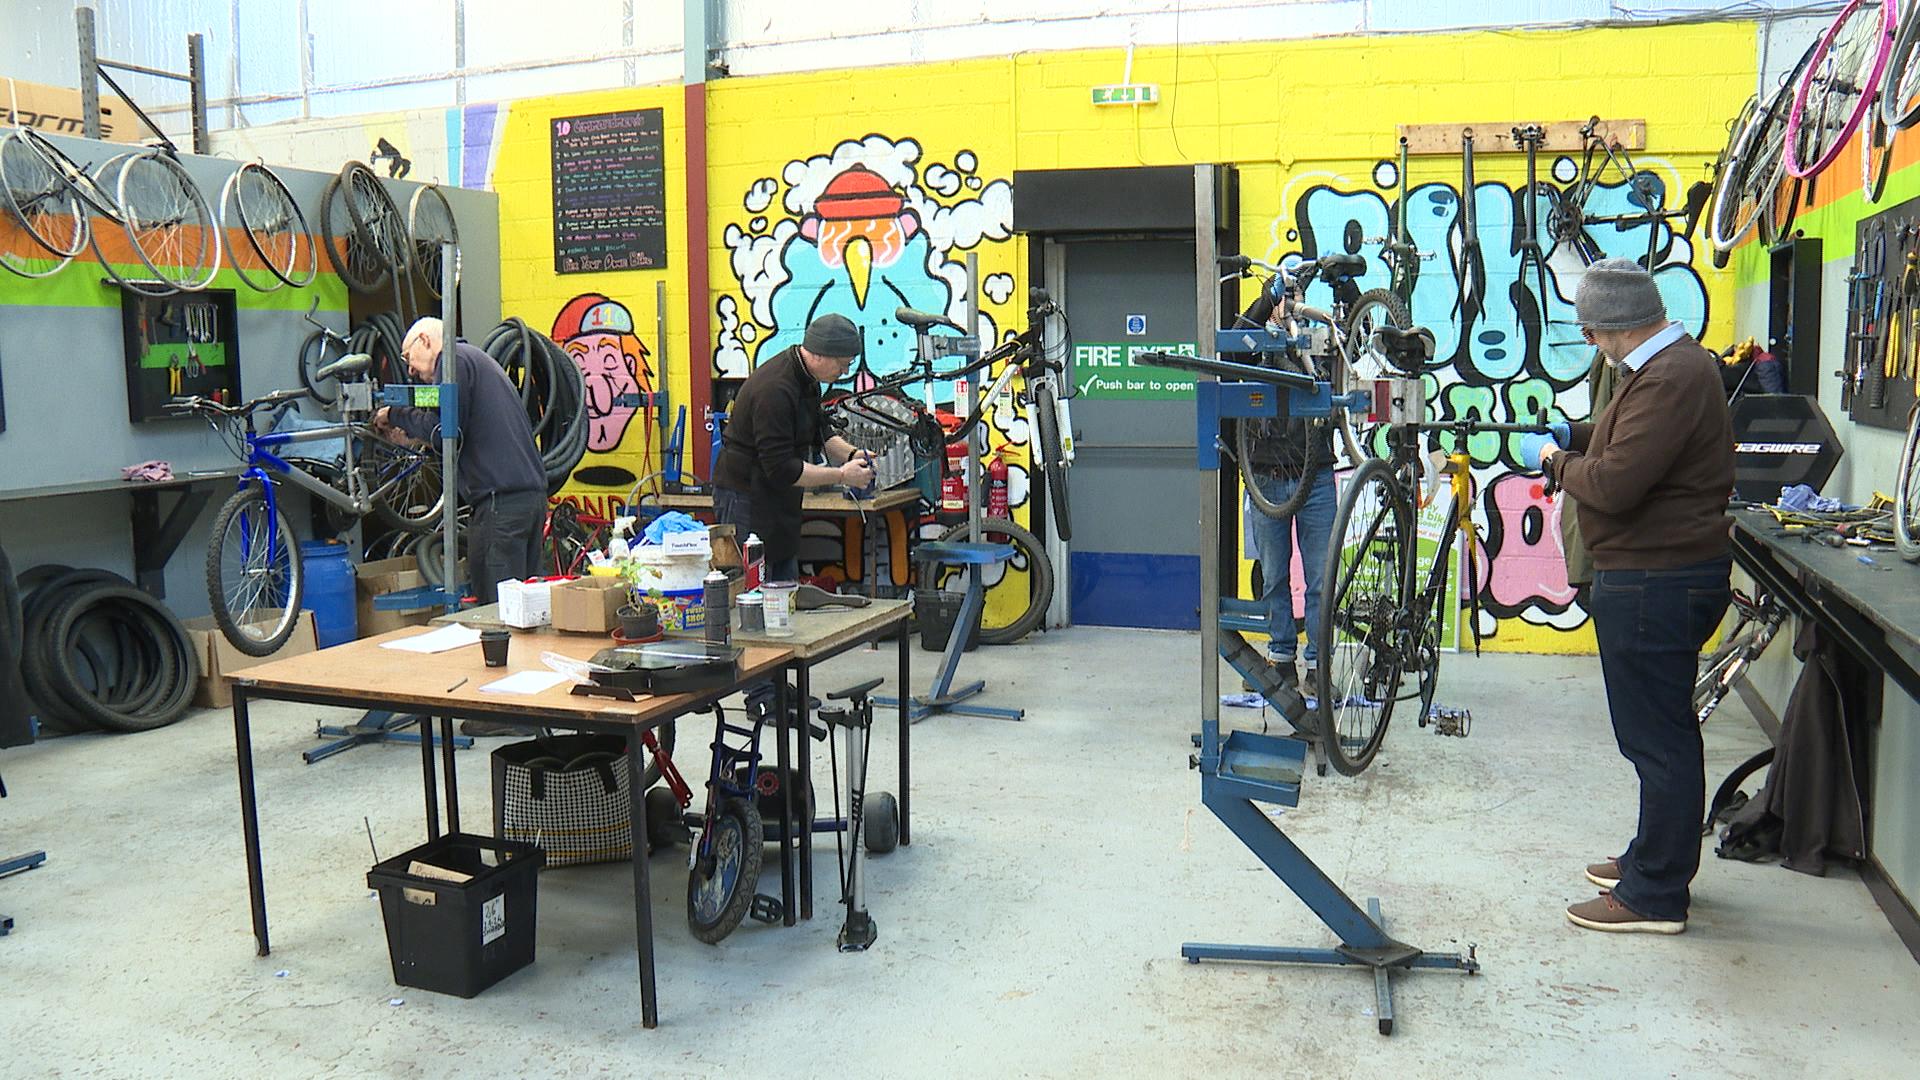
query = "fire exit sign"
{"x": 1126, "y": 94}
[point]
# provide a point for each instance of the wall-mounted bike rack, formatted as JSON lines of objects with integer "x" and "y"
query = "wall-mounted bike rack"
{"x": 93, "y": 72}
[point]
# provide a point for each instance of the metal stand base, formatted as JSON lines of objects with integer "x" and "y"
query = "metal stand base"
{"x": 16, "y": 865}
{"x": 943, "y": 698}
{"x": 858, "y": 934}
{"x": 374, "y": 727}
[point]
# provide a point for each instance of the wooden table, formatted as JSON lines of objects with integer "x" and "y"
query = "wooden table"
{"x": 819, "y": 636}
{"x": 361, "y": 675}
{"x": 813, "y": 502}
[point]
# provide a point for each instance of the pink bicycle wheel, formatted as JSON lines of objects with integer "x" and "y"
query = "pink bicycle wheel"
{"x": 1846, "y": 70}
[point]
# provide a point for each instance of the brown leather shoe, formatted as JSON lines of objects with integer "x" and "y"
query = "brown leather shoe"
{"x": 1605, "y": 874}
{"x": 1605, "y": 913}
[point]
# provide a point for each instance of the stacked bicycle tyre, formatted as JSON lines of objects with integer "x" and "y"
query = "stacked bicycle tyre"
{"x": 555, "y": 395}
{"x": 99, "y": 654}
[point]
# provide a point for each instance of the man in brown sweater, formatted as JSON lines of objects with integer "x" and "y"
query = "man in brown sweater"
{"x": 1651, "y": 477}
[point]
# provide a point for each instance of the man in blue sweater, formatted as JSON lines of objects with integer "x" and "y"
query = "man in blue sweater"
{"x": 500, "y": 474}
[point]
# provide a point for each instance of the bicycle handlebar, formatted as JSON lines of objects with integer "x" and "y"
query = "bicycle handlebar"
{"x": 197, "y": 403}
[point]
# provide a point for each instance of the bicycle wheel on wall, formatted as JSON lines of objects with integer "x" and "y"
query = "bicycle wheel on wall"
{"x": 349, "y": 251}
{"x": 254, "y": 576}
{"x": 1838, "y": 86}
{"x": 42, "y": 222}
{"x": 276, "y": 230}
{"x": 1900, "y": 94}
{"x": 1906, "y": 495}
{"x": 1365, "y": 596}
{"x": 166, "y": 219}
{"x": 430, "y": 226}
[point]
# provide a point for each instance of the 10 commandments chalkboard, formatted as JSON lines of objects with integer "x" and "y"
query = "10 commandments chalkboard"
{"x": 609, "y": 192}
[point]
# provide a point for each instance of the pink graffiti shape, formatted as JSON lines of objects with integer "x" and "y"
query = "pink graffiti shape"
{"x": 609, "y": 378}
{"x": 1529, "y": 569}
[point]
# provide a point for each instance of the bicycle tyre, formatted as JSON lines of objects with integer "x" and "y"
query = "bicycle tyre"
{"x": 177, "y": 672}
{"x": 154, "y": 223}
{"x": 1899, "y": 110}
{"x": 43, "y": 587}
{"x": 37, "y": 202}
{"x": 275, "y": 214}
{"x": 1876, "y": 158}
{"x": 78, "y": 180}
{"x": 1355, "y": 702}
{"x": 353, "y": 258}
{"x": 1906, "y": 496}
{"x": 1376, "y": 308}
{"x": 1875, "y": 45}
{"x": 721, "y": 886}
{"x": 316, "y": 352}
{"x": 415, "y": 505}
{"x": 1040, "y": 581}
{"x": 430, "y": 223}
{"x": 375, "y": 216}
{"x": 1732, "y": 216}
{"x": 1046, "y": 410}
{"x": 247, "y": 509}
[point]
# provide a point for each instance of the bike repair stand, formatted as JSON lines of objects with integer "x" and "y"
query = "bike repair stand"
{"x": 858, "y": 933}
{"x": 1247, "y": 769}
{"x": 975, "y": 555}
{"x": 382, "y": 726}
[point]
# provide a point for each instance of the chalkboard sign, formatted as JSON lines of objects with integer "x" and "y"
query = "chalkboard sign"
{"x": 609, "y": 192}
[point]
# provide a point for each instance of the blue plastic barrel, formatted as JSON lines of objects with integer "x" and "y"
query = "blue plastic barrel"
{"x": 329, "y": 592}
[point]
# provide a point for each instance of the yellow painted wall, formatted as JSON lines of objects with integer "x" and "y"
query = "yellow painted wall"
{"x": 1309, "y": 123}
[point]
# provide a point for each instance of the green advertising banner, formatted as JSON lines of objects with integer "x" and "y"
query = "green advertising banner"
{"x": 1106, "y": 370}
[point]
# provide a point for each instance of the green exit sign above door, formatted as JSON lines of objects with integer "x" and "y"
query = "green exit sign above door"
{"x": 1126, "y": 94}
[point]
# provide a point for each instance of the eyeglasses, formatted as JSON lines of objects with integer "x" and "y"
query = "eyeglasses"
{"x": 1588, "y": 334}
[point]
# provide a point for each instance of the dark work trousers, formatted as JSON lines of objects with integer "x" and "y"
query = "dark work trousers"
{"x": 1651, "y": 625}
{"x": 504, "y": 541}
{"x": 735, "y": 508}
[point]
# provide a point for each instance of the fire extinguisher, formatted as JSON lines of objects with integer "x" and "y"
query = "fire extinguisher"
{"x": 997, "y": 485}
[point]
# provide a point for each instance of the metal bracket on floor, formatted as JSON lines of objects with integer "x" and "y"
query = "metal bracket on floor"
{"x": 943, "y": 698}
{"x": 374, "y": 727}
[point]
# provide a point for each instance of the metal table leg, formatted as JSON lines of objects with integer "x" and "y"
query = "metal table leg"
{"x": 781, "y": 728}
{"x": 642, "y": 887}
{"x": 446, "y": 760}
{"x": 803, "y": 688}
{"x": 906, "y": 726}
{"x": 250, "y": 818}
{"x": 426, "y": 775}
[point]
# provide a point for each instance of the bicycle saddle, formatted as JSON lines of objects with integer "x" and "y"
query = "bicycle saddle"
{"x": 857, "y": 691}
{"x": 1343, "y": 264}
{"x": 350, "y": 364}
{"x": 1408, "y": 350}
{"x": 921, "y": 320}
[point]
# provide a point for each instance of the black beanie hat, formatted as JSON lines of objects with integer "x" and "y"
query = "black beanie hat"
{"x": 833, "y": 335}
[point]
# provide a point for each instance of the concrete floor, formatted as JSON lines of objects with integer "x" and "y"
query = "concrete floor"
{"x": 1033, "y": 929}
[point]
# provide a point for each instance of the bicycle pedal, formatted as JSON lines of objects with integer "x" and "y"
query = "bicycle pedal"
{"x": 766, "y": 909}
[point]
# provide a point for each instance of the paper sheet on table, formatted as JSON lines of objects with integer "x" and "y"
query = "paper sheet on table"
{"x": 525, "y": 682}
{"x": 442, "y": 640}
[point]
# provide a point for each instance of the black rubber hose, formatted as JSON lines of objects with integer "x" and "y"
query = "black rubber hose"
{"x": 49, "y": 587}
{"x": 165, "y": 699}
{"x": 15, "y": 729}
{"x": 554, "y": 392}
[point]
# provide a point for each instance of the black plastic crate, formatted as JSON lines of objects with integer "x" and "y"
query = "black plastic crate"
{"x": 935, "y": 612}
{"x": 460, "y": 937}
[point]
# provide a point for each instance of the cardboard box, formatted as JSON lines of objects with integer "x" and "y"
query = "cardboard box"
{"x": 219, "y": 659}
{"x": 526, "y": 604}
{"x": 589, "y": 605}
{"x": 56, "y": 110}
{"x": 383, "y": 576}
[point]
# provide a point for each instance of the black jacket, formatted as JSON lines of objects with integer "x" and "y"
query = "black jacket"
{"x": 774, "y": 427}
{"x": 1280, "y": 446}
{"x": 497, "y": 454}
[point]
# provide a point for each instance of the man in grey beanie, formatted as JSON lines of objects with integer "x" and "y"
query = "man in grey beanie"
{"x": 1651, "y": 476}
{"x": 776, "y": 432}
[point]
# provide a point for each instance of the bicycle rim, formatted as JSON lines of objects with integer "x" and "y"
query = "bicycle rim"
{"x": 168, "y": 220}
{"x": 83, "y": 185}
{"x": 375, "y": 215}
{"x": 430, "y": 224}
{"x": 1906, "y": 498}
{"x": 1837, "y": 88}
{"x": 1876, "y": 158}
{"x": 45, "y": 224}
{"x": 276, "y": 229}
{"x": 1900, "y": 93}
{"x": 1361, "y": 363}
{"x": 1735, "y": 206}
{"x": 352, "y": 256}
{"x": 1361, "y": 615}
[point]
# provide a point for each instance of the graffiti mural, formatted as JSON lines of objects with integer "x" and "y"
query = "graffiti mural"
{"x": 1508, "y": 350}
{"x": 598, "y": 334}
{"x": 873, "y": 225}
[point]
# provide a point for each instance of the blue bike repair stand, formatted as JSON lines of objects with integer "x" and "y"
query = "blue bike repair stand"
{"x": 380, "y": 725}
{"x": 15, "y": 865}
{"x": 1248, "y": 769}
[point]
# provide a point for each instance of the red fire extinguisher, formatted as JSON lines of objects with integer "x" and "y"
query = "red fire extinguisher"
{"x": 997, "y": 485}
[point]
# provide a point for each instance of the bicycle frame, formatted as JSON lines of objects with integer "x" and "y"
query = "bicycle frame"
{"x": 357, "y": 499}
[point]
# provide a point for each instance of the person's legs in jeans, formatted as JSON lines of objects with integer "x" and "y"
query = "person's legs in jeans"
{"x": 486, "y": 572}
{"x": 1651, "y": 625}
{"x": 1273, "y": 544}
{"x": 527, "y": 512}
{"x": 1313, "y": 523}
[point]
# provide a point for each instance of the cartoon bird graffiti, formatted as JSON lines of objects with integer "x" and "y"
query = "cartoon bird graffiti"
{"x": 860, "y": 252}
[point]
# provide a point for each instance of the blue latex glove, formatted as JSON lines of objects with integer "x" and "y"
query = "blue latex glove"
{"x": 670, "y": 523}
{"x": 1562, "y": 433}
{"x": 1531, "y": 447}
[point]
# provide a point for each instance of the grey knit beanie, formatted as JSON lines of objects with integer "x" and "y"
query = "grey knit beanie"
{"x": 1617, "y": 294}
{"x": 832, "y": 335}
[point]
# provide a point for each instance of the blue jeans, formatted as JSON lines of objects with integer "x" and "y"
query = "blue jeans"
{"x": 1273, "y": 540}
{"x": 1651, "y": 625}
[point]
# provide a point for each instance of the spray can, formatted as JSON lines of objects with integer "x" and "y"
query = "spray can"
{"x": 716, "y": 598}
{"x": 753, "y": 556}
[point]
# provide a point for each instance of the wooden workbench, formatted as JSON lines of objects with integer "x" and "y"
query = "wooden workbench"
{"x": 813, "y": 502}
{"x": 362, "y": 675}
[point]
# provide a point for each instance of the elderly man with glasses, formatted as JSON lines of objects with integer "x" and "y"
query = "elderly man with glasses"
{"x": 1651, "y": 477}
{"x": 500, "y": 474}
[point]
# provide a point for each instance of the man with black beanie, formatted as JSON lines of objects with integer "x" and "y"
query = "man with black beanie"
{"x": 776, "y": 432}
{"x": 1652, "y": 476}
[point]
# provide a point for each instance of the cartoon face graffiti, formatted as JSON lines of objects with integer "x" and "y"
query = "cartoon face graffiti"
{"x": 597, "y": 333}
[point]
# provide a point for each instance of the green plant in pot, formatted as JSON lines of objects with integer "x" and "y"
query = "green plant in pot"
{"x": 640, "y": 618}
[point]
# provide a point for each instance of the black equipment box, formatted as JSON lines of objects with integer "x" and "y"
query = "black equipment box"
{"x": 668, "y": 667}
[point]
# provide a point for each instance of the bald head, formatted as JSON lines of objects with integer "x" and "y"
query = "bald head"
{"x": 421, "y": 347}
